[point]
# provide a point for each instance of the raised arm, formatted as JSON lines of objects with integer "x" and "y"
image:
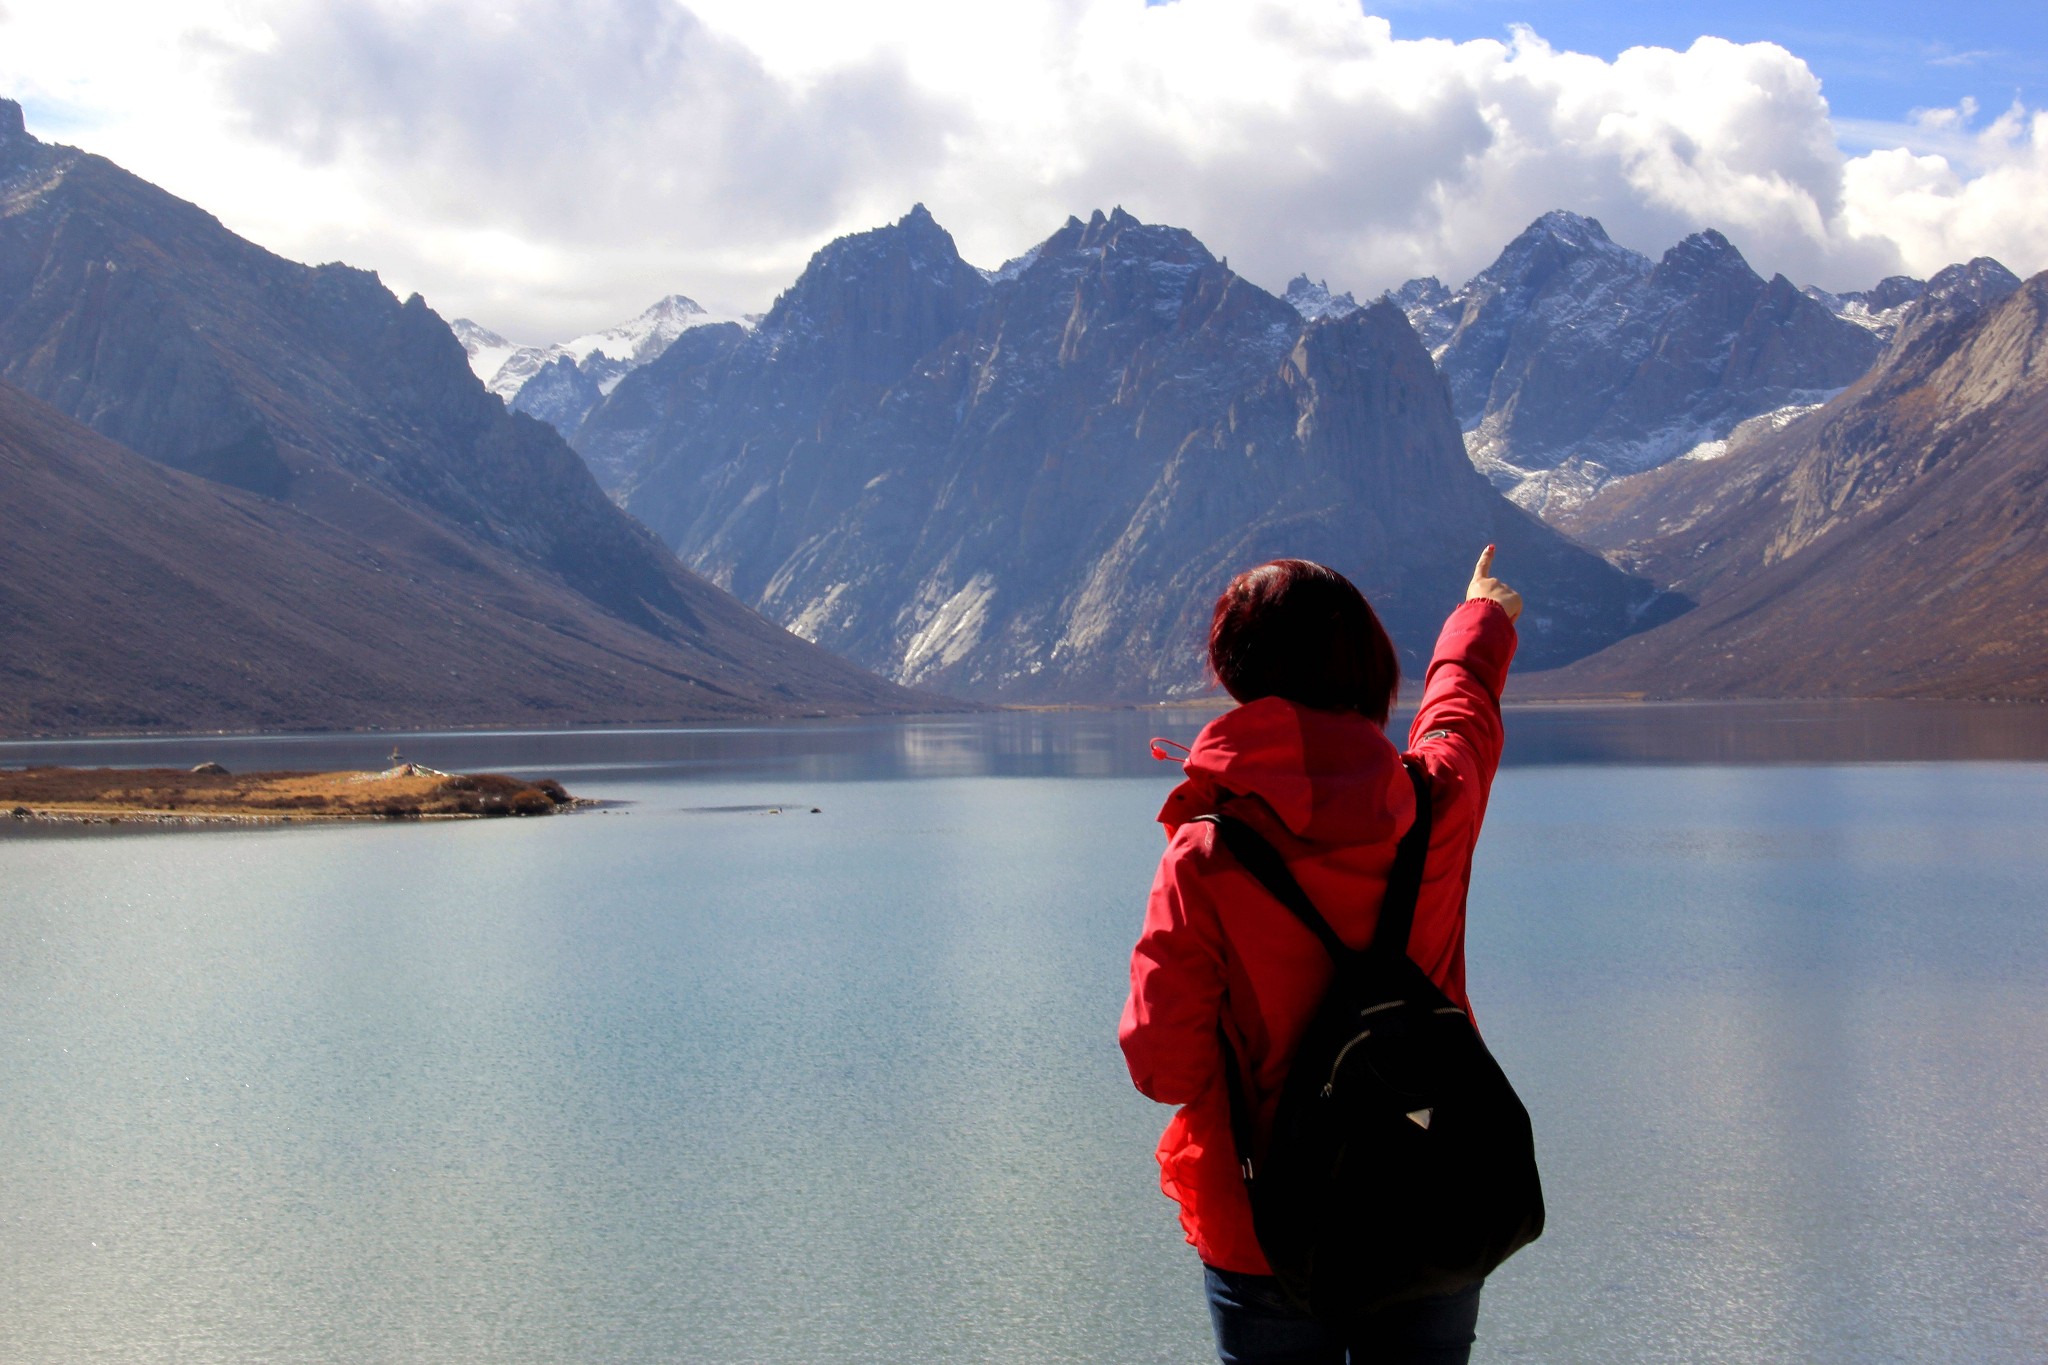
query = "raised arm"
{"x": 1457, "y": 730}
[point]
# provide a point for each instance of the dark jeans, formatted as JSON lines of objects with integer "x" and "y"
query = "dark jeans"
{"x": 1256, "y": 1324}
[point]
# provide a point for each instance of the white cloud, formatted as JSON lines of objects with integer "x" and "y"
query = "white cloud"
{"x": 551, "y": 165}
{"x": 1937, "y": 213}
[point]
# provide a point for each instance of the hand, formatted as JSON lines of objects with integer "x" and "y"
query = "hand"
{"x": 1484, "y": 584}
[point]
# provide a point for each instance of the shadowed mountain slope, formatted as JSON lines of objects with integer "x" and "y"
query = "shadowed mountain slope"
{"x": 136, "y": 597}
{"x": 142, "y": 317}
{"x": 1031, "y": 484}
{"x": 1894, "y": 543}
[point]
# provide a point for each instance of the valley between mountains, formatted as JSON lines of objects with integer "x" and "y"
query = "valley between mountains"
{"x": 237, "y": 492}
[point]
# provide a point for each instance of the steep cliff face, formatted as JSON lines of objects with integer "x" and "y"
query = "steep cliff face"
{"x": 140, "y": 316}
{"x": 1888, "y": 544}
{"x": 1570, "y": 353}
{"x": 1031, "y": 484}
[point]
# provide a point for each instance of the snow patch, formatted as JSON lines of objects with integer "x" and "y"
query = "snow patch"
{"x": 611, "y": 354}
{"x": 1012, "y": 268}
{"x": 1761, "y": 425}
{"x": 487, "y": 351}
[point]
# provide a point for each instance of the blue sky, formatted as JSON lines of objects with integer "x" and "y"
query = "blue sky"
{"x": 1877, "y": 59}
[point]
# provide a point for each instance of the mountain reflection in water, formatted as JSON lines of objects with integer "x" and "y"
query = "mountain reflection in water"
{"x": 1108, "y": 743}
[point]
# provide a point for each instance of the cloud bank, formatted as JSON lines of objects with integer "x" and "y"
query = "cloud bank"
{"x": 547, "y": 166}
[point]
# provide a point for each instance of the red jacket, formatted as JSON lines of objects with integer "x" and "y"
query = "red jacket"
{"x": 1328, "y": 791}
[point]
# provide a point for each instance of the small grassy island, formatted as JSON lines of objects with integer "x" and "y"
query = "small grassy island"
{"x": 210, "y": 793}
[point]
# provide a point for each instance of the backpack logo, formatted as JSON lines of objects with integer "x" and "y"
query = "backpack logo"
{"x": 1420, "y": 1117}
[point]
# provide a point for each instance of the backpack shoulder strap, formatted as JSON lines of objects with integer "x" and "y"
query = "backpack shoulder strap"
{"x": 1404, "y": 880}
{"x": 1269, "y": 869}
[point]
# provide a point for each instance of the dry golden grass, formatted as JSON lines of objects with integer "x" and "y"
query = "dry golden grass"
{"x": 147, "y": 792}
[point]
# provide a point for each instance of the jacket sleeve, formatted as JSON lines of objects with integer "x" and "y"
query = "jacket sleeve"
{"x": 1169, "y": 1028}
{"x": 1457, "y": 730}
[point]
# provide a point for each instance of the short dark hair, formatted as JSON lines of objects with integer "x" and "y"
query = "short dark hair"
{"x": 1298, "y": 630}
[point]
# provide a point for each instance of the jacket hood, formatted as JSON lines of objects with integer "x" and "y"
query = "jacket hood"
{"x": 1329, "y": 776}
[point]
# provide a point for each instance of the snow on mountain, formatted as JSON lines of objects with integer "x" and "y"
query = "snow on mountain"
{"x": 1028, "y": 484}
{"x": 1573, "y": 360}
{"x": 487, "y": 351}
{"x": 1426, "y": 301}
{"x": 1313, "y": 299}
{"x": 532, "y": 379}
{"x": 1877, "y": 310}
{"x": 1887, "y": 545}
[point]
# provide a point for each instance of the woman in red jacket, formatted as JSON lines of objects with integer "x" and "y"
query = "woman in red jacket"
{"x": 1305, "y": 760}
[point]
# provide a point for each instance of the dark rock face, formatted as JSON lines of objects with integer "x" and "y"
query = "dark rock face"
{"x": 560, "y": 395}
{"x": 675, "y": 386}
{"x": 1032, "y": 484}
{"x": 140, "y": 316}
{"x": 1572, "y": 353}
{"x": 1887, "y": 545}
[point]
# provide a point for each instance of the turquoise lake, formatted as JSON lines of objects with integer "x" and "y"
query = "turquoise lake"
{"x": 687, "y": 1080}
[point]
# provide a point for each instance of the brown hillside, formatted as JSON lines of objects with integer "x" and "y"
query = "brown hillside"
{"x": 1891, "y": 544}
{"x": 134, "y": 597}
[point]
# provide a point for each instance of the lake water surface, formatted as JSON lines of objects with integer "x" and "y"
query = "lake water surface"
{"x": 686, "y": 1080}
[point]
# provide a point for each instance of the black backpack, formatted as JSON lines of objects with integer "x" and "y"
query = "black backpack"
{"x": 1401, "y": 1163}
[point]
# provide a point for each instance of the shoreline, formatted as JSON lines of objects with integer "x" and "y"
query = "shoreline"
{"x": 211, "y": 795}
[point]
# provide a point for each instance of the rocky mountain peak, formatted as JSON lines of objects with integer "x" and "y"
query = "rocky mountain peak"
{"x": 1571, "y": 349}
{"x": 1559, "y": 244}
{"x": 1040, "y": 503}
{"x": 920, "y": 227}
{"x": 1362, "y": 366}
{"x": 1877, "y": 310}
{"x": 1980, "y": 281}
{"x": 475, "y": 337}
{"x": 1954, "y": 298}
{"x": 672, "y": 307}
{"x": 18, "y": 146}
{"x": 1701, "y": 261}
{"x": 911, "y": 266}
{"x": 1430, "y": 310}
{"x": 1108, "y": 230}
{"x": 1893, "y": 291}
{"x": 1313, "y": 299}
{"x": 1568, "y": 228}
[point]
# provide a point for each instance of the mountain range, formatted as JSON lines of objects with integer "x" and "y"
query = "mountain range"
{"x": 1573, "y": 360}
{"x": 1892, "y": 543}
{"x": 1029, "y": 484}
{"x": 240, "y": 492}
{"x": 316, "y": 396}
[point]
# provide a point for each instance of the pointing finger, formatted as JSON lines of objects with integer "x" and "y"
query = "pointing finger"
{"x": 1485, "y": 566}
